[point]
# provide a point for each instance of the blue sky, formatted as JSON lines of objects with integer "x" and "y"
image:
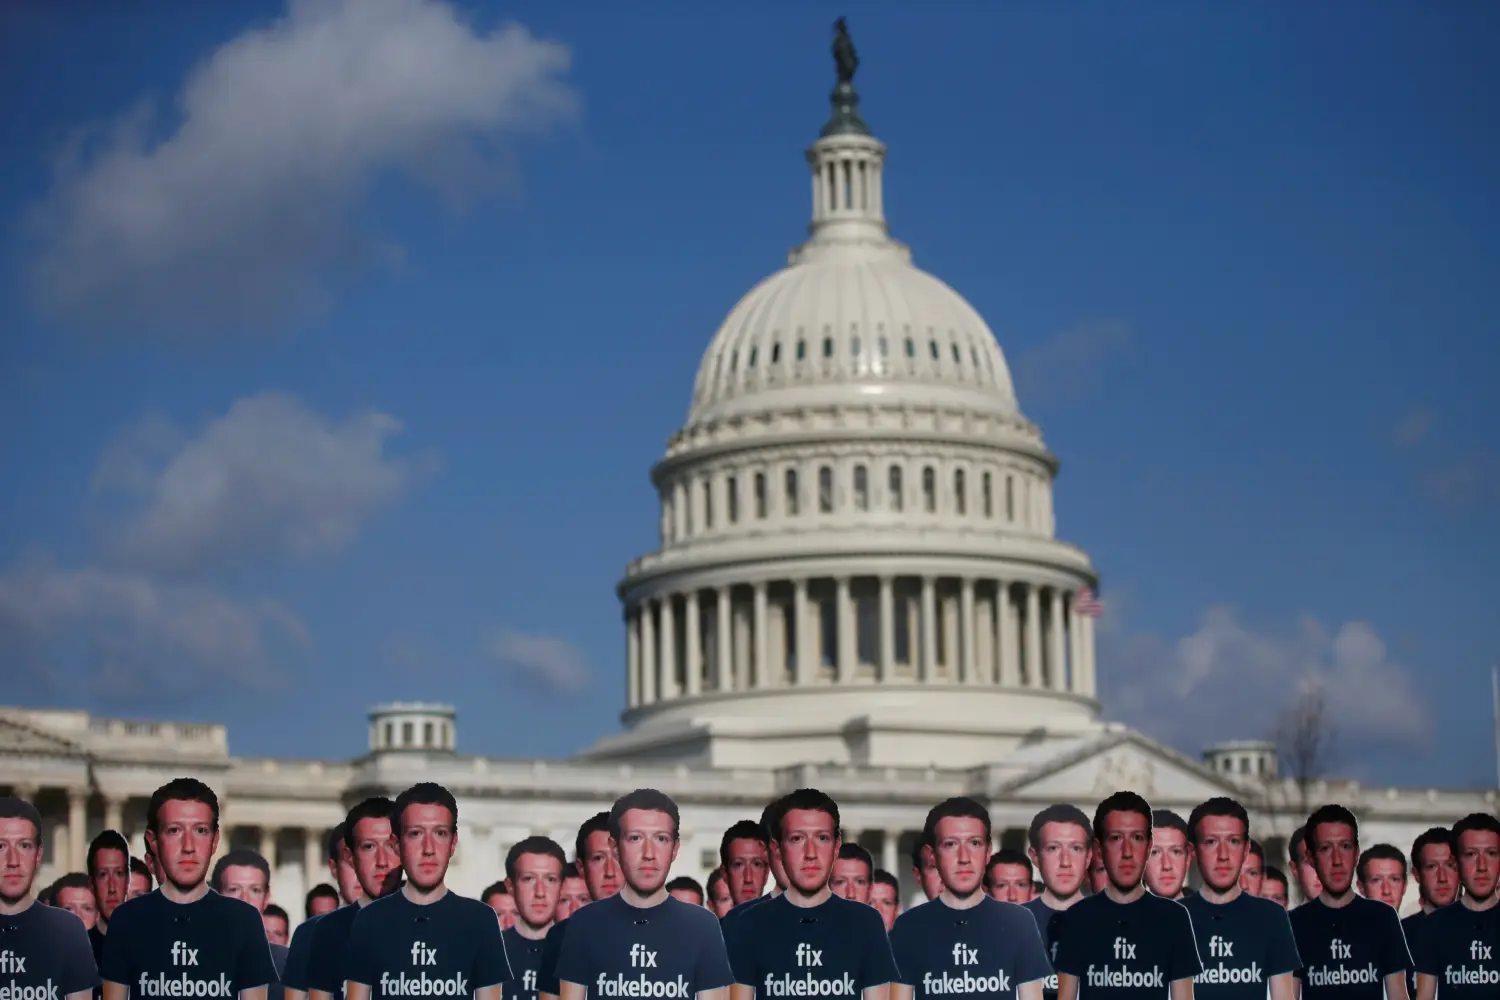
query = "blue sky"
{"x": 324, "y": 383}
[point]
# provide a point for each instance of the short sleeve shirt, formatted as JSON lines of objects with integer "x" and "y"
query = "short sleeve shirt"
{"x": 1243, "y": 943}
{"x": 294, "y": 973}
{"x": 1122, "y": 951}
{"x": 1460, "y": 947}
{"x": 838, "y": 948}
{"x": 988, "y": 950}
{"x": 1047, "y": 924}
{"x": 450, "y": 947}
{"x": 1347, "y": 951}
{"x": 46, "y": 953}
{"x": 672, "y": 950}
{"x": 213, "y": 946}
{"x": 525, "y": 955}
{"x": 546, "y": 972}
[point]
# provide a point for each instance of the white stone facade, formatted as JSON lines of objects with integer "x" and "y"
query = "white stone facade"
{"x": 858, "y": 587}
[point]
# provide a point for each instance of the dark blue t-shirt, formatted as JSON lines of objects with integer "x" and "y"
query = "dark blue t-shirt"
{"x": 988, "y": 950}
{"x": 838, "y": 948}
{"x": 45, "y": 951}
{"x": 525, "y": 957}
{"x": 546, "y": 970}
{"x": 1046, "y": 923}
{"x": 1347, "y": 951}
{"x": 1243, "y": 943}
{"x": 1461, "y": 948}
{"x": 294, "y": 973}
{"x": 1126, "y": 950}
{"x": 1411, "y": 929}
{"x": 328, "y": 958}
{"x": 672, "y": 950}
{"x": 451, "y": 947}
{"x": 213, "y": 946}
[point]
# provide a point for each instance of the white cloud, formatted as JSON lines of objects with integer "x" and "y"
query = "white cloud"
{"x": 243, "y": 216}
{"x": 269, "y": 478}
{"x": 1069, "y": 366}
{"x": 1225, "y": 681}
{"x": 553, "y": 664}
{"x": 126, "y": 637}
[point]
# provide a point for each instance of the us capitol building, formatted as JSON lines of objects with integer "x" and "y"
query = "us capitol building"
{"x": 859, "y": 586}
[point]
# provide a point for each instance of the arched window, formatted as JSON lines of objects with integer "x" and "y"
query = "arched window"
{"x": 790, "y": 498}
{"x": 861, "y": 488}
{"x": 896, "y": 500}
{"x": 929, "y": 490}
{"x": 825, "y": 489}
{"x": 732, "y": 498}
{"x": 760, "y": 495}
{"x": 960, "y": 495}
{"x": 987, "y": 488}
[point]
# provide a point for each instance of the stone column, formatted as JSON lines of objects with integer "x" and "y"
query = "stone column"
{"x": 967, "y": 662}
{"x": 78, "y": 829}
{"x": 632, "y": 659}
{"x": 724, "y": 640}
{"x": 1005, "y": 636}
{"x": 890, "y": 848}
{"x": 761, "y": 671}
{"x": 887, "y": 630}
{"x": 929, "y": 631}
{"x": 1058, "y": 669}
{"x": 806, "y": 667}
{"x": 844, "y": 616}
{"x": 1090, "y": 672}
{"x": 693, "y": 637}
{"x": 648, "y": 652}
{"x": 268, "y": 846}
{"x": 1075, "y": 651}
{"x": 114, "y": 813}
{"x": 312, "y": 856}
{"x": 1033, "y": 637}
{"x": 667, "y": 685}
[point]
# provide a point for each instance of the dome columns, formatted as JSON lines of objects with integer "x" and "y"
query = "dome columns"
{"x": 854, "y": 629}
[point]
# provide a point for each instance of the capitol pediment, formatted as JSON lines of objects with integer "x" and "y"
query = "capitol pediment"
{"x": 18, "y": 737}
{"x": 1121, "y": 761}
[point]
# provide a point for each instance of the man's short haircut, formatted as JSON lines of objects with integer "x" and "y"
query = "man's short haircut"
{"x": 1166, "y": 819}
{"x": 883, "y": 877}
{"x": 332, "y": 841}
{"x": 1254, "y": 848}
{"x": 375, "y": 807}
{"x": 1122, "y": 802}
{"x": 139, "y": 867}
{"x": 14, "y": 807}
{"x": 958, "y": 807}
{"x": 686, "y": 883}
{"x": 806, "y": 800}
{"x": 424, "y": 793}
{"x": 240, "y": 857}
{"x": 918, "y": 858}
{"x": 1380, "y": 852}
{"x": 1274, "y": 874}
{"x": 714, "y": 878}
{"x": 1218, "y": 806}
{"x": 1331, "y": 813}
{"x": 1060, "y": 813}
{"x": 72, "y": 880}
{"x": 646, "y": 800}
{"x": 535, "y": 845}
{"x": 853, "y": 852}
{"x": 181, "y": 790}
{"x": 1474, "y": 823}
{"x": 1295, "y": 844}
{"x": 597, "y": 823}
{"x": 1008, "y": 856}
{"x": 107, "y": 840}
{"x": 1433, "y": 837}
{"x": 745, "y": 829}
{"x": 321, "y": 889}
{"x": 272, "y": 910}
{"x": 770, "y": 819}
{"x": 492, "y": 890}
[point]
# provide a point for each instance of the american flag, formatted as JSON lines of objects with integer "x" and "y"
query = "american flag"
{"x": 1086, "y": 603}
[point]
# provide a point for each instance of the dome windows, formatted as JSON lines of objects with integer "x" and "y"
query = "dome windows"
{"x": 932, "y": 348}
{"x": 988, "y": 495}
{"x": 708, "y": 504}
{"x": 911, "y": 348}
{"x": 960, "y": 495}
{"x": 896, "y": 498}
{"x": 827, "y": 347}
{"x": 790, "y": 496}
{"x": 825, "y": 489}
{"x": 929, "y": 490}
{"x": 861, "y": 488}
{"x": 732, "y": 499}
{"x": 801, "y": 349}
{"x": 760, "y": 496}
{"x": 754, "y": 351}
{"x": 776, "y": 353}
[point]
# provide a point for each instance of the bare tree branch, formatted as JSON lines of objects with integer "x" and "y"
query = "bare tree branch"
{"x": 1305, "y": 739}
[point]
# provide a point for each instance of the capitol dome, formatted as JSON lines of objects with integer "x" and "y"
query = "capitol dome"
{"x": 857, "y": 559}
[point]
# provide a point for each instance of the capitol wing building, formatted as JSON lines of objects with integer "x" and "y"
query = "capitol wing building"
{"x": 859, "y": 587}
